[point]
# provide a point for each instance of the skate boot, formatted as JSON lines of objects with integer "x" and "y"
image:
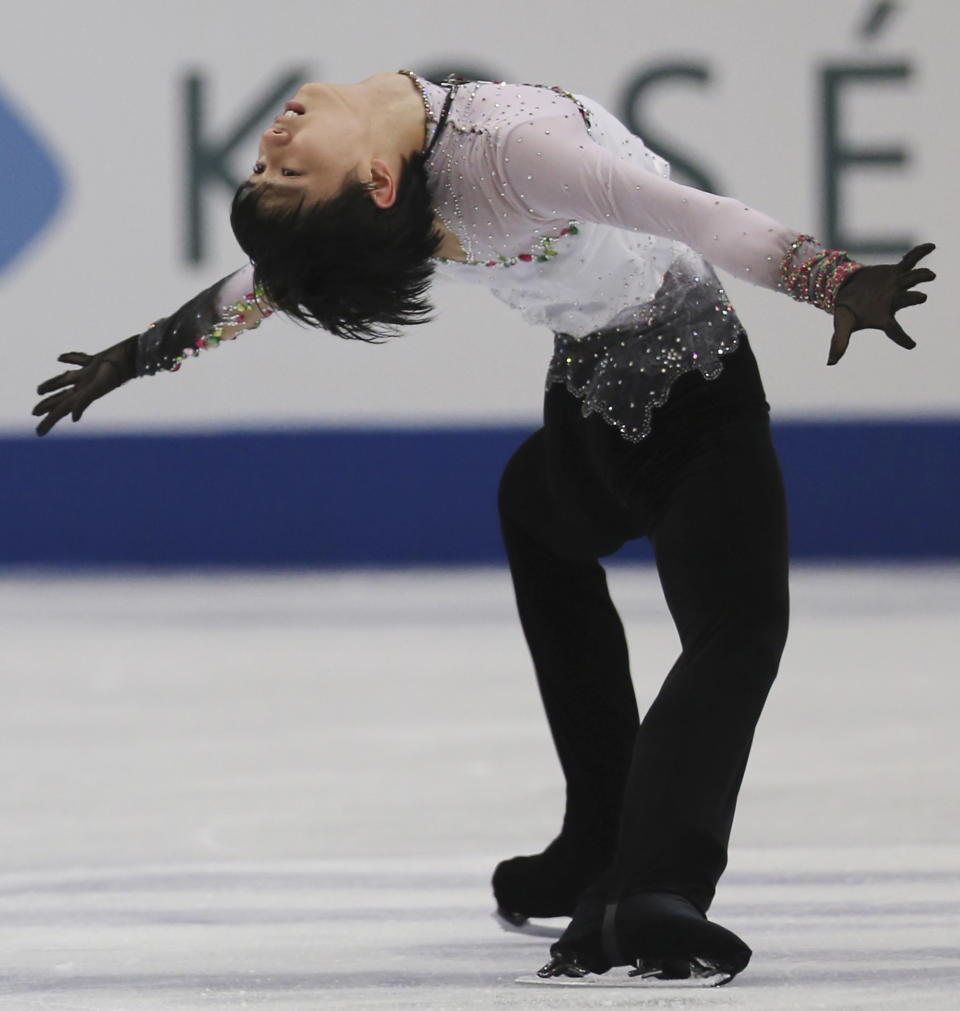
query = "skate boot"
{"x": 547, "y": 884}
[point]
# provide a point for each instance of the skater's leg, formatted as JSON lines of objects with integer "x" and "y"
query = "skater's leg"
{"x": 579, "y": 654}
{"x": 721, "y": 547}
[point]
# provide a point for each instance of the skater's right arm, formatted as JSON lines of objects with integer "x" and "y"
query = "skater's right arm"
{"x": 220, "y": 312}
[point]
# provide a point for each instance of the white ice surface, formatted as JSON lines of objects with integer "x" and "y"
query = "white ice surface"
{"x": 288, "y": 791}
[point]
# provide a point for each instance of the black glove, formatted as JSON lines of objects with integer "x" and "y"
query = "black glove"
{"x": 98, "y": 375}
{"x": 870, "y": 296}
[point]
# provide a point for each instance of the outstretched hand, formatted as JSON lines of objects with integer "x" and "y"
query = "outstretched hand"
{"x": 96, "y": 376}
{"x": 871, "y": 296}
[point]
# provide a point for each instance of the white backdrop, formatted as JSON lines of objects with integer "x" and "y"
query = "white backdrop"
{"x": 101, "y": 83}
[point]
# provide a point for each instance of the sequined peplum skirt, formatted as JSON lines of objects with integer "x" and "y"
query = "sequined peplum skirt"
{"x": 626, "y": 370}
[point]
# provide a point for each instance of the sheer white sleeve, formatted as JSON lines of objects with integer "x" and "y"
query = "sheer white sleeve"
{"x": 556, "y": 170}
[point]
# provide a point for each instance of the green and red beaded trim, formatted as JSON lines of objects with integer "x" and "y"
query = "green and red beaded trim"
{"x": 816, "y": 279}
{"x": 230, "y": 316}
{"x": 543, "y": 252}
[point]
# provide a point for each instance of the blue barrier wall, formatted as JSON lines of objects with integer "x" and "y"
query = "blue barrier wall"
{"x": 883, "y": 490}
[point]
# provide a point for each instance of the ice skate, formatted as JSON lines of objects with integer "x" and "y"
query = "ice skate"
{"x": 696, "y": 972}
{"x": 663, "y": 939}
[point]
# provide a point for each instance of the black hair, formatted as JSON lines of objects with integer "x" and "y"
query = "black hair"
{"x": 344, "y": 264}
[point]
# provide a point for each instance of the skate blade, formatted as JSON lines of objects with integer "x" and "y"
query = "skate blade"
{"x": 620, "y": 977}
{"x": 532, "y": 928}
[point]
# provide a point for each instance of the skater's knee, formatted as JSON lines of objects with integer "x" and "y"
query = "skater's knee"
{"x": 508, "y": 492}
{"x": 759, "y": 626}
{"x": 774, "y": 620}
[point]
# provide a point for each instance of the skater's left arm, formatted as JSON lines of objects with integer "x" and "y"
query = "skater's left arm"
{"x": 562, "y": 172}
{"x": 871, "y": 296}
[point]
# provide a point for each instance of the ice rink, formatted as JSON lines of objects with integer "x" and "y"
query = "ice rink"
{"x": 289, "y": 791}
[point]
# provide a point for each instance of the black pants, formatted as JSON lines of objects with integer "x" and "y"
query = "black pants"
{"x": 705, "y": 488}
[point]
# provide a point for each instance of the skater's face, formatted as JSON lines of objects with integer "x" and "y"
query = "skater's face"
{"x": 319, "y": 141}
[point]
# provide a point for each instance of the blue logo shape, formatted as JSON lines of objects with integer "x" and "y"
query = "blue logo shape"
{"x": 31, "y": 185}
